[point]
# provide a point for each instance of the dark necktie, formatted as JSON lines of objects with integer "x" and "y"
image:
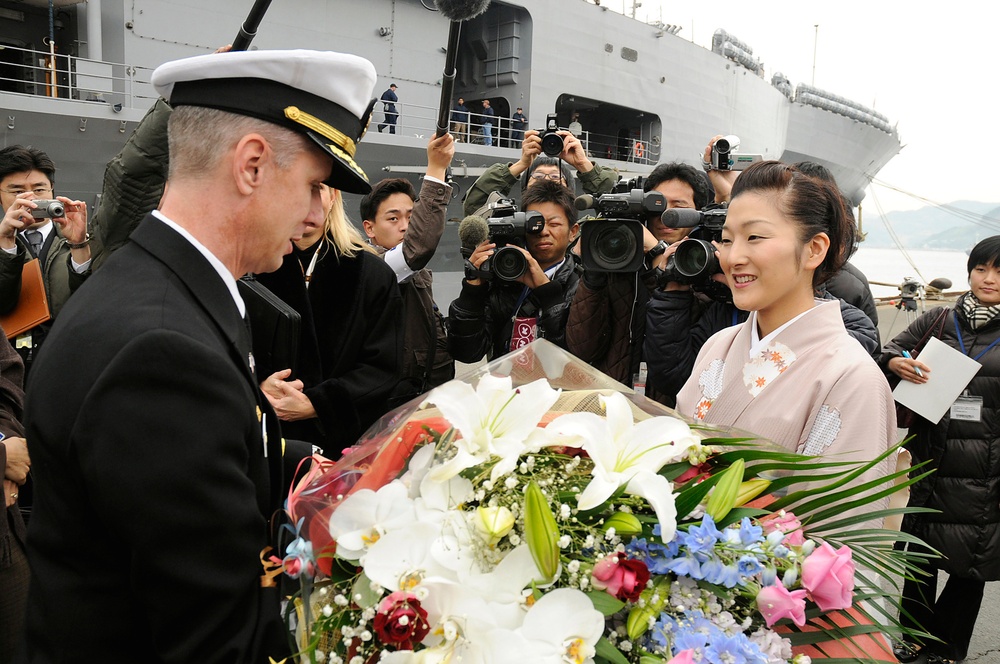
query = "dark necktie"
{"x": 34, "y": 239}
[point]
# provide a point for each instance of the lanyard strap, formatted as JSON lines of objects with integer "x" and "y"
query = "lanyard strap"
{"x": 961, "y": 342}
{"x": 520, "y": 301}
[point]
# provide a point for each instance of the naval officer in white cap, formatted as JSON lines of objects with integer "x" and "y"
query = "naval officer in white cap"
{"x": 156, "y": 460}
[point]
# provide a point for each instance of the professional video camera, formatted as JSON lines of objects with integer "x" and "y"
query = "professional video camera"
{"x": 612, "y": 241}
{"x": 625, "y": 186}
{"x": 724, "y": 159}
{"x": 694, "y": 262}
{"x": 552, "y": 143}
{"x": 508, "y": 228}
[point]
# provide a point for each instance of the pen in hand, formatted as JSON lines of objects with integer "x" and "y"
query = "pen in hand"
{"x": 907, "y": 355}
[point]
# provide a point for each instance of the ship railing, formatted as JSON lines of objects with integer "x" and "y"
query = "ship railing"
{"x": 420, "y": 121}
{"x": 37, "y": 73}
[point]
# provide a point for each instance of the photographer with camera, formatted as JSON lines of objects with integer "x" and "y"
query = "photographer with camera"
{"x": 37, "y": 224}
{"x": 536, "y": 165}
{"x": 519, "y": 282}
{"x": 607, "y": 322}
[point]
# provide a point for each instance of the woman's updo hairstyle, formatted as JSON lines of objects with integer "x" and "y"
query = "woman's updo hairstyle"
{"x": 816, "y": 206}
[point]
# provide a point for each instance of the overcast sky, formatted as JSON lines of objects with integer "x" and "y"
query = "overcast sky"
{"x": 930, "y": 67}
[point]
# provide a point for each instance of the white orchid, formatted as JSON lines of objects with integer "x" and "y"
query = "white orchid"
{"x": 627, "y": 454}
{"x": 403, "y": 559}
{"x": 364, "y": 517}
{"x": 494, "y": 420}
{"x": 562, "y": 627}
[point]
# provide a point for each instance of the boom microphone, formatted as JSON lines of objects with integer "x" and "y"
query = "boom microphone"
{"x": 681, "y": 217}
{"x": 584, "y": 202}
{"x": 461, "y": 10}
{"x": 249, "y": 28}
{"x": 456, "y": 11}
{"x": 472, "y": 232}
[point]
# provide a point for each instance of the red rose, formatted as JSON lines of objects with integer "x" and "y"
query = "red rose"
{"x": 623, "y": 578}
{"x": 401, "y": 621}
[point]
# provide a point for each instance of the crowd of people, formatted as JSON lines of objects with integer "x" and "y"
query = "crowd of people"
{"x": 157, "y": 451}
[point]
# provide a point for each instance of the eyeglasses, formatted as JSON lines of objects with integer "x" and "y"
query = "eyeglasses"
{"x": 555, "y": 177}
{"x": 40, "y": 191}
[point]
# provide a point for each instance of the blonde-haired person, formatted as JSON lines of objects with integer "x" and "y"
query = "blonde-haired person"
{"x": 351, "y": 340}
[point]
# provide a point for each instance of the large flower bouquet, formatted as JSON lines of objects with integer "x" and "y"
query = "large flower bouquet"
{"x": 540, "y": 512}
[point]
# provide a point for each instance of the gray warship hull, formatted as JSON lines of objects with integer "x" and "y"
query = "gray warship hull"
{"x": 643, "y": 94}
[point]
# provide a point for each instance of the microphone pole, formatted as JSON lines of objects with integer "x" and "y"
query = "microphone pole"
{"x": 249, "y": 28}
{"x": 448, "y": 79}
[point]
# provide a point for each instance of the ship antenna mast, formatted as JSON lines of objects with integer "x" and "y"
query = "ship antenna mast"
{"x": 815, "y": 41}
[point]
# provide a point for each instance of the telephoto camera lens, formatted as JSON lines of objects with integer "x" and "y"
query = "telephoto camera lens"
{"x": 696, "y": 259}
{"x": 509, "y": 263}
{"x": 613, "y": 246}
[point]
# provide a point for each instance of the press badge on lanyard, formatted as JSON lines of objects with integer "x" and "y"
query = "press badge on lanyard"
{"x": 967, "y": 408}
{"x": 525, "y": 331}
{"x": 525, "y": 328}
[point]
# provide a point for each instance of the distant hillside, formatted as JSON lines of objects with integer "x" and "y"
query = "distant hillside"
{"x": 934, "y": 227}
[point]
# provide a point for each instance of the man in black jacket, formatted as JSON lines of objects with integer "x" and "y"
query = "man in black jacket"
{"x": 157, "y": 460}
{"x": 496, "y": 316}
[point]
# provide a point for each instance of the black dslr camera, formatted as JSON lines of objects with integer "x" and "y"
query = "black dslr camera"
{"x": 552, "y": 143}
{"x": 612, "y": 241}
{"x": 508, "y": 229}
{"x": 694, "y": 262}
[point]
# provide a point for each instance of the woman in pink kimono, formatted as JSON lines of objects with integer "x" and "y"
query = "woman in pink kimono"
{"x": 790, "y": 373}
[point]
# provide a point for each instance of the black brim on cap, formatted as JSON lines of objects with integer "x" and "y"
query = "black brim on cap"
{"x": 332, "y": 128}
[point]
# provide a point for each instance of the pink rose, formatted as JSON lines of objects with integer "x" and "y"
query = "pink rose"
{"x": 621, "y": 577}
{"x": 401, "y": 621}
{"x": 683, "y": 657}
{"x": 828, "y": 575}
{"x": 776, "y": 602}
{"x": 787, "y": 523}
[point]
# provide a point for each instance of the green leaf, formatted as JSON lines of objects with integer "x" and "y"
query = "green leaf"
{"x": 607, "y": 651}
{"x": 607, "y": 604}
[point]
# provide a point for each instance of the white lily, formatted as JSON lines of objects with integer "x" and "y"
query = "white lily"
{"x": 367, "y": 515}
{"x": 493, "y": 420}
{"x": 627, "y": 454}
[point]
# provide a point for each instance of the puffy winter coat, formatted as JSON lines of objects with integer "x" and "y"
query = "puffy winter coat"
{"x": 480, "y": 321}
{"x": 965, "y": 457}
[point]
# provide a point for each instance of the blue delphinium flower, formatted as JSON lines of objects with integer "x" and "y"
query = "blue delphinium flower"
{"x": 653, "y": 554}
{"x": 700, "y": 540}
{"x": 685, "y": 566}
{"x": 749, "y": 566}
{"x": 719, "y": 573}
{"x": 673, "y": 546}
{"x": 723, "y": 649}
{"x": 749, "y": 533}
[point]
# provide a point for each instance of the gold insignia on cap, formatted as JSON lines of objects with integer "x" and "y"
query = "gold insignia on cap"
{"x": 341, "y": 140}
{"x": 347, "y": 159}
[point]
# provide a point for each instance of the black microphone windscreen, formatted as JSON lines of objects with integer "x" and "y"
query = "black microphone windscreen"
{"x": 680, "y": 217}
{"x": 462, "y": 10}
{"x": 584, "y": 202}
{"x": 473, "y": 231}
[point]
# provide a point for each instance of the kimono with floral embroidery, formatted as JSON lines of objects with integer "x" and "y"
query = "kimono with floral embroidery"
{"x": 812, "y": 389}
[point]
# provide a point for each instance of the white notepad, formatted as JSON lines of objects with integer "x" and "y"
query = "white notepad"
{"x": 951, "y": 371}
